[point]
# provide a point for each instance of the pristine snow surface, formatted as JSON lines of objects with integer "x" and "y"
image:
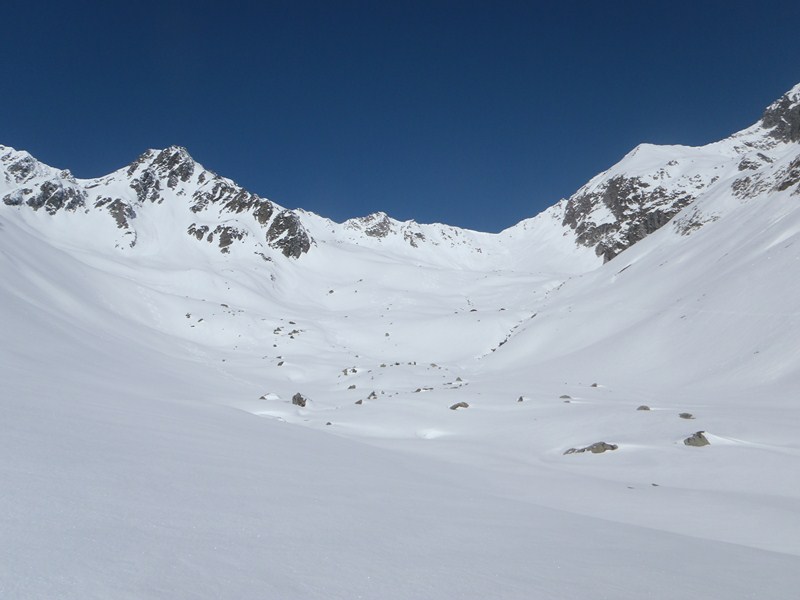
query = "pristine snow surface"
{"x": 149, "y": 447}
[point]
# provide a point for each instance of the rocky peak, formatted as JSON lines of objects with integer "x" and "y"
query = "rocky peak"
{"x": 380, "y": 226}
{"x": 782, "y": 117}
{"x": 36, "y": 185}
{"x": 224, "y": 213}
{"x": 175, "y": 164}
{"x": 377, "y": 225}
{"x": 20, "y": 167}
{"x": 652, "y": 184}
{"x": 156, "y": 169}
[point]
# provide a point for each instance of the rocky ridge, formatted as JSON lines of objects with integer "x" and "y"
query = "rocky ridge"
{"x": 220, "y": 207}
{"x": 652, "y": 184}
{"x": 649, "y": 188}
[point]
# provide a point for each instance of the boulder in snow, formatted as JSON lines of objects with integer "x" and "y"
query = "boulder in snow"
{"x": 596, "y": 448}
{"x": 697, "y": 439}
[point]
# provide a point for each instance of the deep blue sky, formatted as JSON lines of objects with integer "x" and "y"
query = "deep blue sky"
{"x": 475, "y": 114}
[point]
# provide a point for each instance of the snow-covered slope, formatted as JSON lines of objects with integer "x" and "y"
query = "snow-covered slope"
{"x": 151, "y": 447}
{"x": 652, "y": 184}
{"x": 165, "y": 203}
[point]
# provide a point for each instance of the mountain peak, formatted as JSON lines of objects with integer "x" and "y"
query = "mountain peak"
{"x": 173, "y": 163}
{"x": 782, "y": 117}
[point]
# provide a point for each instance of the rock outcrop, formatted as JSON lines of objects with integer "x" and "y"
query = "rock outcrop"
{"x": 596, "y": 448}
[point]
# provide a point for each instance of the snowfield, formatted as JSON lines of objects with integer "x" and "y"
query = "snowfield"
{"x": 150, "y": 446}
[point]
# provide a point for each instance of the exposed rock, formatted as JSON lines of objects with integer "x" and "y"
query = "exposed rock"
{"x": 458, "y": 405}
{"x": 750, "y": 186}
{"x": 351, "y": 387}
{"x": 232, "y": 197}
{"x": 643, "y": 407}
{"x": 122, "y": 212}
{"x": 691, "y": 222}
{"x": 412, "y": 237}
{"x": 372, "y": 396}
{"x": 600, "y": 447}
{"x": 565, "y": 397}
{"x": 596, "y": 448}
{"x": 176, "y": 164}
{"x": 299, "y": 400}
{"x": 142, "y": 159}
{"x": 686, "y": 416}
{"x": 789, "y": 176}
{"x": 17, "y": 197}
{"x": 748, "y": 164}
{"x": 238, "y": 200}
{"x": 520, "y": 399}
{"x": 22, "y": 168}
{"x": 377, "y": 225}
{"x": 288, "y": 235}
{"x": 638, "y": 209}
{"x": 783, "y": 118}
{"x": 147, "y": 187}
{"x": 263, "y": 211}
{"x": 198, "y": 232}
{"x": 53, "y": 196}
{"x": 697, "y": 439}
{"x": 227, "y": 234}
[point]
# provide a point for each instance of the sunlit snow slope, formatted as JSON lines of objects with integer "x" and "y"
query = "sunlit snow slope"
{"x": 157, "y": 323}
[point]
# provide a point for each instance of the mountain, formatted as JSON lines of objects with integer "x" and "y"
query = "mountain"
{"x": 613, "y": 211}
{"x": 208, "y": 395}
{"x": 652, "y": 184}
{"x": 130, "y": 197}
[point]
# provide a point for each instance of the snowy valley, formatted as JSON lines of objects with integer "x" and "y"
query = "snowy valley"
{"x": 207, "y": 395}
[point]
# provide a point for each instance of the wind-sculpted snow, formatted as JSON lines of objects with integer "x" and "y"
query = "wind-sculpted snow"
{"x": 471, "y": 416}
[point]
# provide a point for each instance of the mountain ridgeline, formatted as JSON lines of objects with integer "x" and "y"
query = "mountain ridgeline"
{"x": 646, "y": 190}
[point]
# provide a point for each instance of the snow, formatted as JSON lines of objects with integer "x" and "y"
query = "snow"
{"x": 149, "y": 447}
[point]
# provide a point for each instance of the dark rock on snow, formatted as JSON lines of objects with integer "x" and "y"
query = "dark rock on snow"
{"x": 596, "y": 448}
{"x": 697, "y": 440}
